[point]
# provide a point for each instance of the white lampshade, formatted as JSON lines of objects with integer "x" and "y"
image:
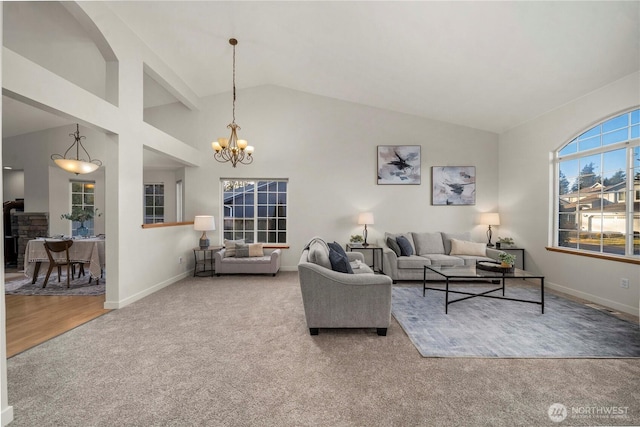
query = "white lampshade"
{"x": 365, "y": 218}
{"x": 204, "y": 223}
{"x": 490, "y": 218}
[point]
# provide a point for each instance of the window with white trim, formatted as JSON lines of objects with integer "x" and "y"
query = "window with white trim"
{"x": 255, "y": 210}
{"x": 597, "y": 196}
{"x": 82, "y": 199}
{"x": 153, "y": 203}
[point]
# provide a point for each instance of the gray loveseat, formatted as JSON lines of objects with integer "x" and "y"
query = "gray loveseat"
{"x": 433, "y": 249}
{"x": 269, "y": 263}
{"x": 333, "y": 299}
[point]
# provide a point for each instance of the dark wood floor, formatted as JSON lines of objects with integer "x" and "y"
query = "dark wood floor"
{"x": 32, "y": 320}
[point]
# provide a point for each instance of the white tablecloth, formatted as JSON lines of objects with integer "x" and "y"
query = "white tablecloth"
{"x": 87, "y": 251}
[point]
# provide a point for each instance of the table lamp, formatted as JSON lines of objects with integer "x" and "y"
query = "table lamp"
{"x": 204, "y": 223}
{"x": 490, "y": 218}
{"x": 364, "y": 219}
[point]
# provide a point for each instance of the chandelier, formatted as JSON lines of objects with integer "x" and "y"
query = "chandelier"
{"x": 232, "y": 149}
{"x": 76, "y": 165}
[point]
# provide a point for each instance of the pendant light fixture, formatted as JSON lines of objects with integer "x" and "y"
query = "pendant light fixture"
{"x": 232, "y": 149}
{"x": 76, "y": 165}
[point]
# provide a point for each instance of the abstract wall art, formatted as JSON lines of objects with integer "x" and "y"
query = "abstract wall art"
{"x": 398, "y": 164}
{"x": 454, "y": 185}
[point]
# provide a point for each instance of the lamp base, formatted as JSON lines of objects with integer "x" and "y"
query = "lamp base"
{"x": 204, "y": 243}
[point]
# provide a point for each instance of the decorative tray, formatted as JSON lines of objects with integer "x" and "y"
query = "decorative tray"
{"x": 490, "y": 266}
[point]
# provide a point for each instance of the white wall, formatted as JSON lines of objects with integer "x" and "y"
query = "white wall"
{"x": 327, "y": 150}
{"x": 526, "y": 196}
{"x": 13, "y": 185}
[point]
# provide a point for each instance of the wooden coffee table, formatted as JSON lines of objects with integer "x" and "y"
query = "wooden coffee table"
{"x": 473, "y": 274}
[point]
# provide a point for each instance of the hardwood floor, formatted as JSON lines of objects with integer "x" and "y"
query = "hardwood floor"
{"x": 32, "y": 320}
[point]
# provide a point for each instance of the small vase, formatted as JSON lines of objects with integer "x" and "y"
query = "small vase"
{"x": 82, "y": 230}
{"x": 505, "y": 265}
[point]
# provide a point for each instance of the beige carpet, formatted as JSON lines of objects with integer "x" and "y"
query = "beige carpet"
{"x": 235, "y": 351}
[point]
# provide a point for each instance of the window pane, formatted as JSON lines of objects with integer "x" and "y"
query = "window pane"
{"x": 635, "y": 131}
{"x": 635, "y": 116}
{"x": 571, "y": 147}
{"x": 282, "y": 224}
{"x": 262, "y": 198}
{"x": 262, "y": 211}
{"x": 591, "y": 132}
{"x": 88, "y": 199}
{"x": 262, "y": 224}
{"x": 617, "y": 136}
{"x": 76, "y": 187}
{"x": 76, "y": 199}
{"x": 88, "y": 188}
{"x": 590, "y": 143}
{"x": 616, "y": 123}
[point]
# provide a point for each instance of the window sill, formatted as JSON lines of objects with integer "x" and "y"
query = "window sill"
{"x": 167, "y": 224}
{"x": 594, "y": 255}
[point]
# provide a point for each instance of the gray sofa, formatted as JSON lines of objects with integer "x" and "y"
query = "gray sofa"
{"x": 267, "y": 264}
{"x": 333, "y": 299}
{"x": 433, "y": 248}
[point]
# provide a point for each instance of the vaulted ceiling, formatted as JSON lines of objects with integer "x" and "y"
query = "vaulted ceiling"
{"x": 487, "y": 65}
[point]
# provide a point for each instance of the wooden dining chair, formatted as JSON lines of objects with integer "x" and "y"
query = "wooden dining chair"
{"x": 57, "y": 247}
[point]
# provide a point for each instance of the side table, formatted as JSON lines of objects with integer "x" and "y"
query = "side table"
{"x": 202, "y": 259}
{"x": 373, "y": 248}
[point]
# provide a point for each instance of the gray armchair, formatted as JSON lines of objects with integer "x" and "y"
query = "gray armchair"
{"x": 340, "y": 300}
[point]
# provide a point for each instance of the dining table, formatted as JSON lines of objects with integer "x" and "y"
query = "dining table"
{"x": 88, "y": 251}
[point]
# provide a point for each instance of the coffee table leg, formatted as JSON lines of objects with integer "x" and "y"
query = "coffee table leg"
{"x": 503, "y": 281}
{"x": 424, "y": 281}
{"x": 446, "y": 298}
{"x": 542, "y": 293}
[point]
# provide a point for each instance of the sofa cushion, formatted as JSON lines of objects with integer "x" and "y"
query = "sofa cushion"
{"x": 440, "y": 259}
{"x": 405, "y": 247}
{"x": 393, "y": 245}
{"x": 338, "y": 259}
{"x": 413, "y": 261}
{"x": 230, "y": 247}
{"x": 462, "y": 247}
{"x": 428, "y": 243}
{"x": 319, "y": 253}
{"x": 446, "y": 239}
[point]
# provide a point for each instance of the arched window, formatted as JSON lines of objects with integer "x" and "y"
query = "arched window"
{"x": 597, "y": 196}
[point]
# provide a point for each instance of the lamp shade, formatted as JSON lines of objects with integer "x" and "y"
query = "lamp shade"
{"x": 204, "y": 223}
{"x": 365, "y": 218}
{"x": 490, "y": 218}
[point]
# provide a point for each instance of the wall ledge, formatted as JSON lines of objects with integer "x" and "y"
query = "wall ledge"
{"x": 594, "y": 255}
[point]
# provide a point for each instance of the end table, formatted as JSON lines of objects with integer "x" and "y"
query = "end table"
{"x": 202, "y": 259}
{"x": 373, "y": 248}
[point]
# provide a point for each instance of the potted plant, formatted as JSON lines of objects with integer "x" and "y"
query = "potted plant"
{"x": 81, "y": 215}
{"x": 504, "y": 241}
{"x": 356, "y": 239}
{"x": 506, "y": 260}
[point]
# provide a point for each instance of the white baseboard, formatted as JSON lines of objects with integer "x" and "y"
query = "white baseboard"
{"x": 114, "y": 305}
{"x": 593, "y": 298}
{"x": 6, "y": 416}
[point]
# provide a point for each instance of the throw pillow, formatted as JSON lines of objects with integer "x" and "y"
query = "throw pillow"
{"x": 405, "y": 246}
{"x": 339, "y": 261}
{"x": 393, "y": 245}
{"x": 230, "y": 247}
{"x": 336, "y": 247}
{"x": 446, "y": 238}
{"x": 242, "y": 250}
{"x": 256, "y": 249}
{"x": 461, "y": 247}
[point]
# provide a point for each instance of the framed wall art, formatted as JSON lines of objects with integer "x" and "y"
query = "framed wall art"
{"x": 398, "y": 164}
{"x": 453, "y": 185}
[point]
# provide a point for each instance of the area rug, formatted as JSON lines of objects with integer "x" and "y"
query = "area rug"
{"x": 79, "y": 286}
{"x": 487, "y": 327}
